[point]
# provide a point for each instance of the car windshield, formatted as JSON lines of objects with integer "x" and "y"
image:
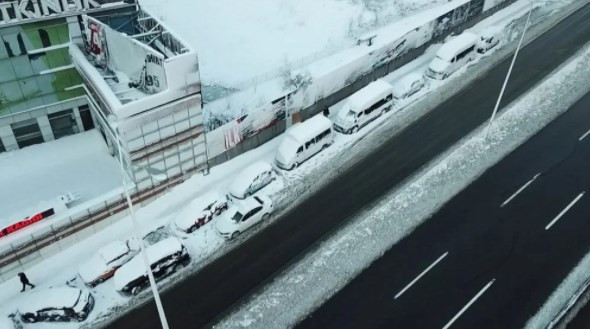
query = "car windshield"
{"x": 237, "y": 217}
{"x": 288, "y": 147}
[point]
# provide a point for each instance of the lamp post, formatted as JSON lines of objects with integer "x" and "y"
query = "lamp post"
{"x": 157, "y": 174}
{"x": 526, "y": 25}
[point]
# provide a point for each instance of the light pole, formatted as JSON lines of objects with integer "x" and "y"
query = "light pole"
{"x": 526, "y": 25}
{"x": 142, "y": 245}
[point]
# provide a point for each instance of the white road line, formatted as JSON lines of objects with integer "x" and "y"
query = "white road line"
{"x": 584, "y": 136}
{"x": 469, "y": 304}
{"x": 564, "y": 210}
{"x": 421, "y": 275}
{"x": 520, "y": 190}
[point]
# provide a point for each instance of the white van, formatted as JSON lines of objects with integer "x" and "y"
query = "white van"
{"x": 453, "y": 55}
{"x": 364, "y": 106}
{"x": 304, "y": 140}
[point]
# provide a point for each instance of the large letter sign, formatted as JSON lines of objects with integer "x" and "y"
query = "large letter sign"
{"x": 24, "y": 223}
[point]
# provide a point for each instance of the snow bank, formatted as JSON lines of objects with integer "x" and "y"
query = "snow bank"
{"x": 38, "y": 174}
{"x": 239, "y": 40}
{"x": 302, "y": 288}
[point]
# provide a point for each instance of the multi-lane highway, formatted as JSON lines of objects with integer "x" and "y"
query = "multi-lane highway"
{"x": 493, "y": 254}
{"x": 202, "y": 298}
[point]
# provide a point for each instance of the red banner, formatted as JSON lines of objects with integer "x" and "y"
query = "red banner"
{"x": 29, "y": 221}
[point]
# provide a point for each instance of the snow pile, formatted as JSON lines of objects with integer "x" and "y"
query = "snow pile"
{"x": 239, "y": 40}
{"x": 38, "y": 174}
{"x": 339, "y": 259}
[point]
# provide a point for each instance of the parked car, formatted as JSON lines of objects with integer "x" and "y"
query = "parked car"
{"x": 165, "y": 257}
{"x": 452, "y": 56}
{"x": 243, "y": 215}
{"x": 303, "y": 141}
{"x": 408, "y": 85}
{"x": 57, "y": 304}
{"x": 488, "y": 39}
{"x": 102, "y": 265}
{"x": 200, "y": 211}
{"x": 364, "y": 106}
{"x": 251, "y": 179}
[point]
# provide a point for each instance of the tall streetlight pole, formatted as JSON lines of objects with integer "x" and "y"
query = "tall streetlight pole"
{"x": 142, "y": 245}
{"x": 528, "y": 20}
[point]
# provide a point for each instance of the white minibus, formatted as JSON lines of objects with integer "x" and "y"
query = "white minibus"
{"x": 304, "y": 140}
{"x": 452, "y": 56}
{"x": 364, "y": 106}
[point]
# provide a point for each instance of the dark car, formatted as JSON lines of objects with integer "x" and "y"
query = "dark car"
{"x": 165, "y": 257}
{"x": 57, "y": 304}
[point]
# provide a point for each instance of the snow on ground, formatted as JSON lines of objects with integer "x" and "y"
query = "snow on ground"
{"x": 238, "y": 40}
{"x": 38, "y": 174}
{"x": 205, "y": 244}
{"x": 302, "y": 288}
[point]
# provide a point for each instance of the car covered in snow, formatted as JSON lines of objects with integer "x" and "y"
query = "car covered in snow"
{"x": 165, "y": 257}
{"x": 408, "y": 85}
{"x": 488, "y": 39}
{"x": 200, "y": 211}
{"x": 243, "y": 215}
{"x": 251, "y": 179}
{"x": 103, "y": 264}
{"x": 56, "y": 304}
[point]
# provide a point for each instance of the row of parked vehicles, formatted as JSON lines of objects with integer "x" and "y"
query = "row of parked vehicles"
{"x": 241, "y": 209}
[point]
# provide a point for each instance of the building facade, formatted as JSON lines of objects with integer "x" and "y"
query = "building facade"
{"x": 41, "y": 93}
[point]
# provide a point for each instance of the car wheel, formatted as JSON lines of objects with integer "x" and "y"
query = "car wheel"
{"x": 235, "y": 235}
{"x": 265, "y": 217}
{"x": 355, "y": 129}
{"x": 192, "y": 228}
{"x": 29, "y": 318}
{"x": 446, "y": 75}
{"x": 325, "y": 146}
{"x": 295, "y": 165}
{"x": 135, "y": 290}
{"x": 99, "y": 281}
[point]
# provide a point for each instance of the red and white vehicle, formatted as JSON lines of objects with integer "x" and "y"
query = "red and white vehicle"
{"x": 102, "y": 265}
{"x": 200, "y": 211}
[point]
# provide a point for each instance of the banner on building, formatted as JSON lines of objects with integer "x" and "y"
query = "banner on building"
{"x": 26, "y": 222}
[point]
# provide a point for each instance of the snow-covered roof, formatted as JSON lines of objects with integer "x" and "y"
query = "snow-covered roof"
{"x": 246, "y": 176}
{"x": 189, "y": 214}
{"x": 302, "y": 132}
{"x": 135, "y": 268}
{"x": 54, "y": 297}
{"x": 369, "y": 94}
{"x": 462, "y": 41}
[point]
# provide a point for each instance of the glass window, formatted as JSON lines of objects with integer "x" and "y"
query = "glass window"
{"x": 86, "y": 117}
{"x": 63, "y": 123}
{"x": 27, "y": 133}
{"x": 2, "y": 148}
{"x": 22, "y": 67}
{"x": 3, "y": 53}
{"x": 6, "y": 70}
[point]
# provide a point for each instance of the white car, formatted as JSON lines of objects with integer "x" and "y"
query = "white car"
{"x": 102, "y": 265}
{"x": 408, "y": 85}
{"x": 251, "y": 179}
{"x": 200, "y": 211}
{"x": 489, "y": 38}
{"x": 243, "y": 215}
{"x": 56, "y": 304}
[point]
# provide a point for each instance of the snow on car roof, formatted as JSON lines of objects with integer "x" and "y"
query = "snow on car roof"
{"x": 491, "y": 31}
{"x": 135, "y": 267}
{"x": 449, "y": 49}
{"x": 406, "y": 81}
{"x": 113, "y": 250}
{"x": 373, "y": 91}
{"x": 302, "y": 132}
{"x": 54, "y": 297}
{"x": 189, "y": 214}
{"x": 246, "y": 176}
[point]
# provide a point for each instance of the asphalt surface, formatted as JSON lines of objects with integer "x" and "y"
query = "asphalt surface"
{"x": 485, "y": 242}
{"x": 582, "y": 319}
{"x": 201, "y": 299}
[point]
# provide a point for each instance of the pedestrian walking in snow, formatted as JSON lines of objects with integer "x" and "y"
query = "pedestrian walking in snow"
{"x": 25, "y": 281}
